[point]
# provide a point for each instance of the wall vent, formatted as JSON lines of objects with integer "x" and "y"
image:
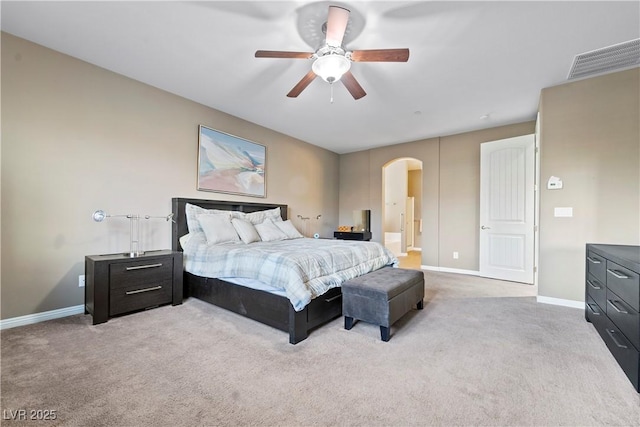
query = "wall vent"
{"x": 610, "y": 58}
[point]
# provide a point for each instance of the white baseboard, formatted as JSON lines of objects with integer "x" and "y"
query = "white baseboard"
{"x": 559, "y": 301}
{"x": 450, "y": 270}
{"x": 41, "y": 317}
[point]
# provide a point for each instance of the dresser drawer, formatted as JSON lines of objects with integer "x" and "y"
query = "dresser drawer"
{"x": 625, "y": 354}
{"x": 625, "y": 317}
{"x": 140, "y": 272}
{"x": 625, "y": 283}
{"x": 597, "y": 266}
{"x": 597, "y": 290}
{"x": 137, "y": 297}
{"x": 593, "y": 310}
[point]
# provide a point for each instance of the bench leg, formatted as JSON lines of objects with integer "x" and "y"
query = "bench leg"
{"x": 348, "y": 322}
{"x": 384, "y": 333}
{"x": 420, "y": 305}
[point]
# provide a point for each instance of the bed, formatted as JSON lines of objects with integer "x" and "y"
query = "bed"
{"x": 273, "y": 309}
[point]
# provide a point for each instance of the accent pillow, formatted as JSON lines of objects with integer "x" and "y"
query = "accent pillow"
{"x": 246, "y": 230}
{"x": 289, "y": 229}
{"x": 218, "y": 228}
{"x": 260, "y": 216}
{"x": 269, "y": 232}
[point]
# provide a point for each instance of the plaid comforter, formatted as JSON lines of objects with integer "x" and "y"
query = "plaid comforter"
{"x": 304, "y": 268}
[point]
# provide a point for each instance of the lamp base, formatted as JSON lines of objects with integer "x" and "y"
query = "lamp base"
{"x": 133, "y": 254}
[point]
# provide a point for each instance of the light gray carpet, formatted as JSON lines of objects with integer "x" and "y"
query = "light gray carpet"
{"x": 470, "y": 357}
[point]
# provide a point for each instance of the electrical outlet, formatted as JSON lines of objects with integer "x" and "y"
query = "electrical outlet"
{"x": 81, "y": 281}
{"x": 455, "y": 255}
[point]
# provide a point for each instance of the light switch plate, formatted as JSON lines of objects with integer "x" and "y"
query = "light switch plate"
{"x": 563, "y": 212}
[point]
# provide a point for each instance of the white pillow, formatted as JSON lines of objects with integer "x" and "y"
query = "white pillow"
{"x": 246, "y": 230}
{"x": 268, "y": 231}
{"x": 218, "y": 228}
{"x": 260, "y": 216}
{"x": 289, "y": 229}
{"x": 192, "y": 212}
{"x": 184, "y": 239}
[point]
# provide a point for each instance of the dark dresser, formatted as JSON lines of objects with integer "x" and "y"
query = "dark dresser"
{"x": 352, "y": 235}
{"x": 612, "y": 302}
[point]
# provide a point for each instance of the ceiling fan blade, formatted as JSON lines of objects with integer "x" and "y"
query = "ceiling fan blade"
{"x": 283, "y": 54}
{"x": 302, "y": 84}
{"x": 380, "y": 55}
{"x": 352, "y": 85}
{"x": 336, "y": 25}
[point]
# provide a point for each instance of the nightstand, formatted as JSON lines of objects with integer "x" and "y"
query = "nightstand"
{"x": 118, "y": 284}
{"x": 352, "y": 235}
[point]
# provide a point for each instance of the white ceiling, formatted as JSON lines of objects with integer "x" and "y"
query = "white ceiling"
{"x": 472, "y": 65}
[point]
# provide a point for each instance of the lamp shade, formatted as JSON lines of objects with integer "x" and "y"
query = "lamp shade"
{"x": 331, "y": 67}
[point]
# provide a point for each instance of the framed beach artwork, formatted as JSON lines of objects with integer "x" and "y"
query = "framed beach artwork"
{"x": 228, "y": 164}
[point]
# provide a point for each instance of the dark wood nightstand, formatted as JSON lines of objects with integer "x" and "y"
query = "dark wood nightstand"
{"x": 352, "y": 235}
{"x": 118, "y": 284}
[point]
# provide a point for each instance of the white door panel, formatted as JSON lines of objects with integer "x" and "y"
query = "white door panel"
{"x": 507, "y": 209}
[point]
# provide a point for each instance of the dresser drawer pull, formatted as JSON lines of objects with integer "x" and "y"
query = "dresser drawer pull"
{"x": 597, "y": 313}
{"x": 617, "y": 274}
{"x": 333, "y": 298}
{"x": 611, "y": 333}
{"x": 593, "y": 260}
{"x": 139, "y": 291}
{"x": 593, "y": 286}
{"x": 140, "y": 267}
{"x": 616, "y": 308}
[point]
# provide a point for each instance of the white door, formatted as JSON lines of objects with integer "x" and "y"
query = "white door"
{"x": 408, "y": 224}
{"x": 507, "y": 209}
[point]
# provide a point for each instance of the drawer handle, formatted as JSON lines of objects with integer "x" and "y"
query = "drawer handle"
{"x": 593, "y": 286}
{"x": 615, "y": 340}
{"x": 139, "y": 291}
{"x": 597, "y": 313}
{"x": 333, "y": 298}
{"x": 617, "y": 274}
{"x": 140, "y": 267}
{"x": 616, "y": 308}
{"x": 593, "y": 260}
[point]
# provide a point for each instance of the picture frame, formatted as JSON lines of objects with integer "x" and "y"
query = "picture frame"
{"x": 230, "y": 164}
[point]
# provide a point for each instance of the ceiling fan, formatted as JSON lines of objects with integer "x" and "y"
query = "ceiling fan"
{"x": 332, "y": 61}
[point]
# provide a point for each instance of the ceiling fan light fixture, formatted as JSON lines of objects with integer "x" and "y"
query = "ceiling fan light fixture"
{"x": 331, "y": 67}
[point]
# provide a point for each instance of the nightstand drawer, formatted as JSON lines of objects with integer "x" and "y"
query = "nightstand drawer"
{"x": 140, "y": 272}
{"x": 137, "y": 297}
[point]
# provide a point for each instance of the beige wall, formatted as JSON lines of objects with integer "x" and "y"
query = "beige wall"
{"x": 76, "y": 138}
{"x": 590, "y": 138}
{"x": 450, "y": 191}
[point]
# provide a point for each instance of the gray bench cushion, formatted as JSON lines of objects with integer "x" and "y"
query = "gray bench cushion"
{"x": 388, "y": 280}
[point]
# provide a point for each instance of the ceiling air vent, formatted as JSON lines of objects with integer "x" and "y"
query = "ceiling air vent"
{"x": 610, "y": 58}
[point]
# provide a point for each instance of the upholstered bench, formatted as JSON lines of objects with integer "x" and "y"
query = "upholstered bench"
{"x": 381, "y": 297}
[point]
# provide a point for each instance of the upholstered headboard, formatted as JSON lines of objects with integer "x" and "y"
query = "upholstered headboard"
{"x": 179, "y": 227}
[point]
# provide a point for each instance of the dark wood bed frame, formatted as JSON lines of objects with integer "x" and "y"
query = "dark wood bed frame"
{"x": 270, "y": 309}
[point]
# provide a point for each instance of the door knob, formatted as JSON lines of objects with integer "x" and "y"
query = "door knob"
{"x": 485, "y": 228}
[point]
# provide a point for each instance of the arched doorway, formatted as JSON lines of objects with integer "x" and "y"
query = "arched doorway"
{"x": 402, "y": 205}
